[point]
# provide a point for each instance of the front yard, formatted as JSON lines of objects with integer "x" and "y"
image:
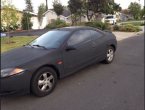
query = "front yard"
{"x": 14, "y": 42}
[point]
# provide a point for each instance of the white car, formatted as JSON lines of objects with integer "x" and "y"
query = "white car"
{"x": 111, "y": 19}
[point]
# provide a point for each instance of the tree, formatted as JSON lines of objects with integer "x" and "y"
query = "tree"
{"x": 41, "y": 10}
{"x": 93, "y": 7}
{"x": 58, "y": 8}
{"x": 143, "y": 13}
{"x": 75, "y": 7}
{"x": 104, "y": 6}
{"x": 111, "y": 8}
{"x": 117, "y": 7}
{"x": 135, "y": 9}
{"x": 87, "y": 10}
{"x": 29, "y": 6}
{"x": 26, "y": 21}
{"x": 9, "y": 17}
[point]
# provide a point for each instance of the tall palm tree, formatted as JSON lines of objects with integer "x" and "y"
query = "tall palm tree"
{"x": 46, "y": 5}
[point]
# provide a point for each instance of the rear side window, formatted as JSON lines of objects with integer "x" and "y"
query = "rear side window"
{"x": 95, "y": 34}
{"x": 79, "y": 37}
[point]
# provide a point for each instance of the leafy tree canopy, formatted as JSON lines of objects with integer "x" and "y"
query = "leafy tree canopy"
{"x": 58, "y": 8}
{"x": 41, "y": 10}
{"x": 135, "y": 9}
{"x": 29, "y": 6}
{"x": 9, "y": 16}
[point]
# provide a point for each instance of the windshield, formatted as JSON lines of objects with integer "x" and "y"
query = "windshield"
{"x": 51, "y": 39}
{"x": 109, "y": 17}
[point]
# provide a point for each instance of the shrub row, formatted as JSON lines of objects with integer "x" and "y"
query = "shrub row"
{"x": 11, "y": 28}
{"x": 56, "y": 24}
{"x": 96, "y": 24}
{"x": 126, "y": 28}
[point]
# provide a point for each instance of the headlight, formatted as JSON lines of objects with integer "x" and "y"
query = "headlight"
{"x": 11, "y": 71}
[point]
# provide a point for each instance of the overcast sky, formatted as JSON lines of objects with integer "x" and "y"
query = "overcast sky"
{"x": 20, "y": 4}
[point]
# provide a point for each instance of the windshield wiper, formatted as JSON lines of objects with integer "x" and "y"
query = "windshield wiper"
{"x": 28, "y": 45}
{"x": 39, "y": 46}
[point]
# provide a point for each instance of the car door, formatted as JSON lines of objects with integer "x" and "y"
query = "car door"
{"x": 82, "y": 53}
{"x": 99, "y": 45}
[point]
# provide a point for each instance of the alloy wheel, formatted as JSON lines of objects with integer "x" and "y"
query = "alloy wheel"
{"x": 45, "y": 82}
{"x": 110, "y": 54}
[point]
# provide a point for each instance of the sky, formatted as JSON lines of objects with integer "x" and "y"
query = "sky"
{"x": 20, "y": 4}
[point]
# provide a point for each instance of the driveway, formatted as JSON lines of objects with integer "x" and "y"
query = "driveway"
{"x": 118, "y": 86}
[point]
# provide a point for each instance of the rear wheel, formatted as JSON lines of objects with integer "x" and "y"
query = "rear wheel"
{"x": 109, "y": 55}
{"x": 44, "y": 82}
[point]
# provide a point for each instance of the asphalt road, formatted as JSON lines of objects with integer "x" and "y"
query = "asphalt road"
{"x": 117, "y": 86}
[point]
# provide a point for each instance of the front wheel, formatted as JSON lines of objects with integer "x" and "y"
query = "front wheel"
{"x": 43, "y": 82}
{"x": 109, "y": 55}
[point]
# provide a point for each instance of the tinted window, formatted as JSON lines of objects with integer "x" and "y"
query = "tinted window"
{"x": 51, "y": 39}
{"x": 109, "y": 17}
{"x": 95, "y": 34}
{"x": 80, "y": 37}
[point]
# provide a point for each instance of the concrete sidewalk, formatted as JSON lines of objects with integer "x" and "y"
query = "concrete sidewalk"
{"x": 123, "y": 35}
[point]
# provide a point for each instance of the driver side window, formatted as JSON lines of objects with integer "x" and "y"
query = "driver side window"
{"x": 79, "y": 37}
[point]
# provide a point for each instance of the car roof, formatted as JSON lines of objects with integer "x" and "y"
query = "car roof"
{"x": 74, "y": 28}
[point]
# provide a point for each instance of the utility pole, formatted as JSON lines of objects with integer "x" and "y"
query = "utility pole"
{"x": 46, "y": 5}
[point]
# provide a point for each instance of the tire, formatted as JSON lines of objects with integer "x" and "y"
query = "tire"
{"x": 110, "y": 54}
{"x": 43, "y": 82}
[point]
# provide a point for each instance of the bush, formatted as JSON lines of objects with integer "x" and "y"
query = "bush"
{"x": 95, "y": 24}
{"x": 12, "y": 27}
{"x": 126, "y": 28}
{"x": 116, "y": 27}
{"x": 56, "y": 24}
{"x": 3, "y": 28}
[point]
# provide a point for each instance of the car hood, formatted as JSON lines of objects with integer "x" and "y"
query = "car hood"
{"x": 22, "y": 55}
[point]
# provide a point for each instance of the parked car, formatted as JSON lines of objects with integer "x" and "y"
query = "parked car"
{"x": 37, "y": 66}
{"x": 111, "y": 19}
{"x": 2, "y": 34}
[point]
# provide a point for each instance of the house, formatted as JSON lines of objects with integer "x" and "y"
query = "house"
{"x": 125, "y": 15}
{"x": 49, "y": 16}
{"x": 34, "y": 18}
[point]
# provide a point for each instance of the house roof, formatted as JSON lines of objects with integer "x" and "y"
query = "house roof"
{"x": 65, "y": 13}
{"x": 34, "y": 14}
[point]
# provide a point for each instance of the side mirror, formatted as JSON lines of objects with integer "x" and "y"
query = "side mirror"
{"x": 70, "y": 48}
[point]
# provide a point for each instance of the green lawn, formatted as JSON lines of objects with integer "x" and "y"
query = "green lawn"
{"x": 15, "y": 42}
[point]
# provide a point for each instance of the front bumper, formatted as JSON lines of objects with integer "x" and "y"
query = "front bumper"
{"x": 19, "y": 83}
{"x": 110, "y": 21}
